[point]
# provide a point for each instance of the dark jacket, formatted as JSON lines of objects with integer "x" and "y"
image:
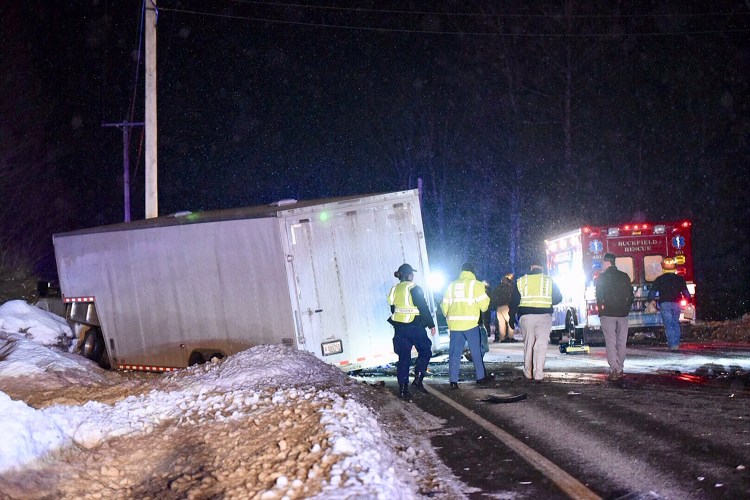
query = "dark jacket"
{"x": 515, "y": 300}
{"x": 501, "y": 294}
{"x": 425, "y": 316}
{"x": 670, "y": 287}
{"x": 614, "y": 293}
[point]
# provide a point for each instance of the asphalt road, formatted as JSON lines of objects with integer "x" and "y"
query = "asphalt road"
{"x": 677, "y": 426}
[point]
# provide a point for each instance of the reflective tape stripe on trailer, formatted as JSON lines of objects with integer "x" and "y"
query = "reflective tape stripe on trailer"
{"x": 144, "y": 368}
{"x": 78, "y": 299}
{"x": 360, "y": 360}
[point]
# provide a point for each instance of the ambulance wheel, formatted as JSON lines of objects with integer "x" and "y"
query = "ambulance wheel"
{"x": 196, "y": 358}
{"x": 93, "y": 345}
{"x": 570, "y": 324}
{"x": 563, "y": 348}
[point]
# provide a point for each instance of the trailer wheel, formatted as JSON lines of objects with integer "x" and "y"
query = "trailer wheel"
{"x": 196, "y": 358}
{"x": 93, "y": 345}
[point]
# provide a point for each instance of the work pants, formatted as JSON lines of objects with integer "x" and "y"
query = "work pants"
{"x": 535, "y": 329}
{"x": 615, "y": 330}
{"x": 503, "y": 323}
{"x": 670, "y": 316}
{"x": 456, "y": 350}
{"x": 408, "y": 335}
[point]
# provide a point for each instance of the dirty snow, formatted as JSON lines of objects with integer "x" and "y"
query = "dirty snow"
{"x": 269, "y": 422}
{"x": 42, "y": 327}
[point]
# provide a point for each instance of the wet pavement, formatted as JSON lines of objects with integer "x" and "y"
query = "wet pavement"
{"x": 676, "y": 426}
{"x": 715, "y": 363}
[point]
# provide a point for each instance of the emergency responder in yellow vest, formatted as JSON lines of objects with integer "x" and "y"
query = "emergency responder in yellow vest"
{"x": 409, "y": 317}
{"x": 532, "y": 301}
{"x": 463, "y": 302}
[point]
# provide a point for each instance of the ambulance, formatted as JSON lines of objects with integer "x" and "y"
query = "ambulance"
{"x": 574, "y": 261}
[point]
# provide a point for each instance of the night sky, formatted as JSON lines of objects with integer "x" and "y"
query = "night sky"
{"x": 522, "y": 121}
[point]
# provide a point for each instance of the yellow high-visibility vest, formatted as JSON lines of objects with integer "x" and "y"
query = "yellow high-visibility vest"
{"x": 463, "y": 302}
{"x": 404, "y": 310}
{"x": 535, "y": 290}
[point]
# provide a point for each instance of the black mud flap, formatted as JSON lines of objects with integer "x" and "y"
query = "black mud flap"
{"x": 503, "y": 398}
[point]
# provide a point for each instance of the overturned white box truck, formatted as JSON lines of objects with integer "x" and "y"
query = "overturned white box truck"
{"x": 165, "y": 293}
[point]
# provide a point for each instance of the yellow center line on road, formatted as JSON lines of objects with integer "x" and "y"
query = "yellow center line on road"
{"x": 567, "y": 483}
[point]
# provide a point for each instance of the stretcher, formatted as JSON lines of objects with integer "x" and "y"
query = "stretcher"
{"x": 575, "y": 345}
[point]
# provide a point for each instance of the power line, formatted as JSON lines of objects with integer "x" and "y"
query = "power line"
{"x": 477, "y": 14}
{"x": 436, "y": 32}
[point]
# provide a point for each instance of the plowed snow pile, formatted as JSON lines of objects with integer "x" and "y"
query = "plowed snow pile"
{"x": 269, "y": 422}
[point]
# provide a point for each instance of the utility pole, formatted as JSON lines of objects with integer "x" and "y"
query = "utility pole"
{"x": 125, "y": 125}
{"x": 152, "y": 193}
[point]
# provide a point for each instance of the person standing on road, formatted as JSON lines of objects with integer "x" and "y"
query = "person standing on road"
{"x": 670, "y": 288}
{"x": 463, "y": 302}
{"x": 614, "y": 296}
{"x": 500, "y": 302}
{"x": 533, "y": 297}
{"x": 409, "y": 317}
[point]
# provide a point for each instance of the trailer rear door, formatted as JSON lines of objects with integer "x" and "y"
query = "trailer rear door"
{"x": 342, "y": 263}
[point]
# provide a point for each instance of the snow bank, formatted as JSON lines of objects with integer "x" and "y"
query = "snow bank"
{"x": 339, "y": 452}
{"x": 22, "y": 358}
{"x": 27, "y": 433}
{"x": 348, "y": 455}
{"x": 16, "y": 316}
{"x": 263, "y": 366}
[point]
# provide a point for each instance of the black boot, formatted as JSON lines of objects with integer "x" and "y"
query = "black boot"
{"x": 418, "y": 383}
{"x": 403, "y": 391}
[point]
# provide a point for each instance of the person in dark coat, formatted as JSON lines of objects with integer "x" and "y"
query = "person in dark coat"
{"x": 409, "y": 317}
{"x": 670, "y": 288}
{"x": 614, "y": 296}
{"x": 500, "y": 303}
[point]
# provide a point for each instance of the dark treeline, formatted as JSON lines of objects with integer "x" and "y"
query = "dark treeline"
{"x": 521, "y": 121}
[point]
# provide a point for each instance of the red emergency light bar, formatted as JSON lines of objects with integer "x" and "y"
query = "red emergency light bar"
{"x": 636, "y": 227}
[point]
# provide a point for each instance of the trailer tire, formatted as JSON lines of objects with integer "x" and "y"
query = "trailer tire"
{"x": 196, "y": 358}
{"x": 93, "y": 345}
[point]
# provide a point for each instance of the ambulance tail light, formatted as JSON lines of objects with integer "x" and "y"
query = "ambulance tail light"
{"x": 683, "y": 303}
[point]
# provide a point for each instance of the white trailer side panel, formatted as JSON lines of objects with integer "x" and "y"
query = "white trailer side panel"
{"x": 164, "y": 291}
{"x": 341, "y": 269}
